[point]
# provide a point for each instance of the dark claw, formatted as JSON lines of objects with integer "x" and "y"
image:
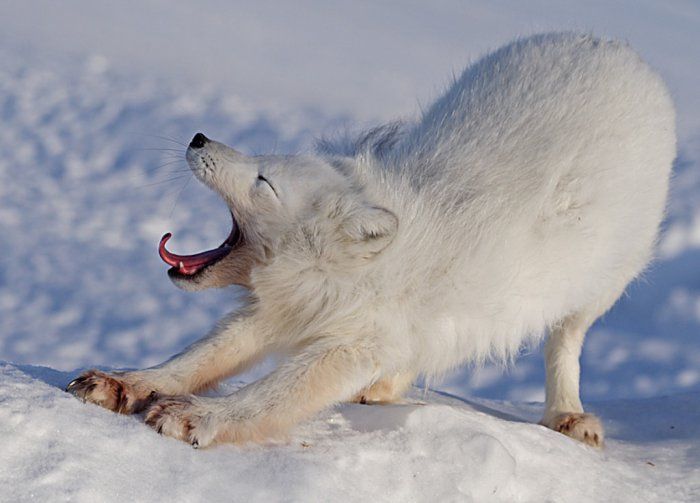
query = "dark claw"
{"x": 160, "y": 430}
{"x": 195, "y": 444}
{"x": 74, "y": 390}
{"x": 72, "y": 383}
{"x": 151, "y": 398}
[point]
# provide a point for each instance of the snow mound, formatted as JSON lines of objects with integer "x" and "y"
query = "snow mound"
{"x": 434, "y": 447}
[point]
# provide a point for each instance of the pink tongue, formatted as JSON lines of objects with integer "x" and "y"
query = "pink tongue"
{"x": 190, "y": 264}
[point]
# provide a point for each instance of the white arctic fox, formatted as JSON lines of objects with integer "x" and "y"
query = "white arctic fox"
{"x": 521, "y": 203}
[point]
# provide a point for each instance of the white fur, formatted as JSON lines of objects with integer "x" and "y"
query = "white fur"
{"x": 525, "y": 199}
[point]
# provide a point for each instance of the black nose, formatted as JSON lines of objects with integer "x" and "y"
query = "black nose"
{"x": 199, "y": 141}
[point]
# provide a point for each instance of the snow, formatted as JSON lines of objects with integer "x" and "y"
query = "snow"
{"x": 434, "y": 447}
{"x": 96, "y": 102}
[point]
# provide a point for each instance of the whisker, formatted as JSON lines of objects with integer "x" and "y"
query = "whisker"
{"x": 179, "y": 194}
{"x": 173, "y": 140}
{"x": 173, "y": 179}
{"x": 182, "y": 171}
{"x": 161, "y": 149}
{"x": 172, "y": 162}
{"x": 166, "y": 138}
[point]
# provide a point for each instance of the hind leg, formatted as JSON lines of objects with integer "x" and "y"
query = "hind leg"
{"x": 563, "y": 408}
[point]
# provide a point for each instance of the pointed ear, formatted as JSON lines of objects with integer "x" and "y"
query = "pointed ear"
{"x": 369, "y": 230}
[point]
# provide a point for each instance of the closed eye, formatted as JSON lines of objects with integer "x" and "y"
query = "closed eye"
{"x": 263, "y": 179}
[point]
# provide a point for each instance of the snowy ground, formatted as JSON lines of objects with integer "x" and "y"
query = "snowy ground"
{"x": 92, "y": 97}
{"x": 434, "y": 447}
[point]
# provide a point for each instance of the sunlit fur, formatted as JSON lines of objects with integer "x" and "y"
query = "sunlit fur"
{"x": 524, "y": 200}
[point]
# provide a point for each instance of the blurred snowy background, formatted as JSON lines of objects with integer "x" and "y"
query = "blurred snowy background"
{"x": 97, "y": 101}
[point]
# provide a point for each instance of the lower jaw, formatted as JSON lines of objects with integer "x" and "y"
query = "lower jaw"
{"x": 190, "y": 283}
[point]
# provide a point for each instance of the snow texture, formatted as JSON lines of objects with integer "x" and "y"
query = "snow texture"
{"x": 434, "y": 447}
{"x": 97, "y": 102}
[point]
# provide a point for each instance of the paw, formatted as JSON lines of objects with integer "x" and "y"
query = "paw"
{"x": 203, "y": 422}
{"x": 112, "y": 391}
{"x": 373, "y": 395}
{"x": 386, "y": 390}
{"x": 585, "y": 428}
{"x": 182, "y": 418}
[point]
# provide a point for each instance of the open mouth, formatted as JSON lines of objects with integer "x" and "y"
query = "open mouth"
{"x": 189, "y": 265}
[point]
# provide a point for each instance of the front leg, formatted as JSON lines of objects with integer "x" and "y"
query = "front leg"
{"x": 269, "y": 408}
{"x": 234, "y": 345}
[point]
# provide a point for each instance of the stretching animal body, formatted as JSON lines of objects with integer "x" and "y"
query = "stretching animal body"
{"x": 521, "y": 203}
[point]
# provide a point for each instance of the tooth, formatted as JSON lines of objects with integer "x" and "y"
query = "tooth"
{"x": 182, "y": 266}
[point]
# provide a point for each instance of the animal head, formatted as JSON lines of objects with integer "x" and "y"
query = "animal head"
{"x": 298, "y": 207}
